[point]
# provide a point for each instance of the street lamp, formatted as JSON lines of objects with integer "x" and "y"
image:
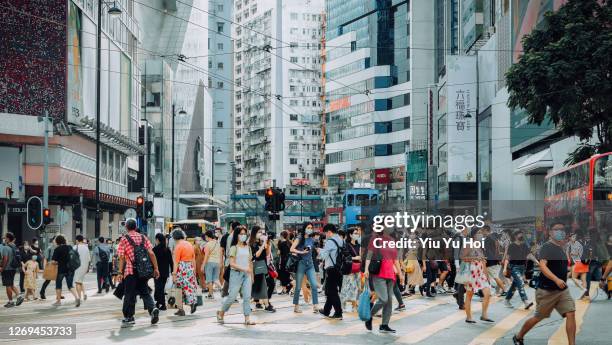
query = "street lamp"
{"x": 113, "y": 11}
{"x": 217, "y": 151}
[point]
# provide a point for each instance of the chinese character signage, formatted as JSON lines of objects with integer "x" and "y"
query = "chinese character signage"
{"x": 461, "y": 118}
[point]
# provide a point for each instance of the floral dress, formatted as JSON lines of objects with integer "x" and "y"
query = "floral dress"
{"x": 31, "y": 268}
{"x": 477, "y": 278}
{"x": 351, "y": 282}
{"x": 186, "y": 281}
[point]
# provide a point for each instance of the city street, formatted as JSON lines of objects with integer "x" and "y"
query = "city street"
{"x": 425, "y": 321}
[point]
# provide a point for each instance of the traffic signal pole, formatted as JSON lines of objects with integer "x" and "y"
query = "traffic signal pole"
{"x": 46, "y": 166}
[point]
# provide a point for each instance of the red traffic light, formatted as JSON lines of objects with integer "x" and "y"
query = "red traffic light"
{"x": 46, "y": 212}
{"x": 139, "y": 201}
{"x": 269, "y": 192}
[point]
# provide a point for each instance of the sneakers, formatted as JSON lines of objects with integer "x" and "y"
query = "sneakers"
{"x": 323, "y": 313}
{"x": 368, "y": 325}
{"x": 9, "y": 304}
{"x": 508, "y": 304}
{"x": 270, "y": 309}
{"x": 336, "y": 317}
{"x": 528, "y": 305}
{"x": 128, "y": 321}
{"x": 385, "y": 329}
{"x": 517, "y": 341}
{"x": 440, "y": 290}
{"x": 297, "y": 310}
{"x": 401, "y": 307}
{"x": 77, "y": 303}
{"x": 154, "y": 316}
{"x": 19, "y": 300}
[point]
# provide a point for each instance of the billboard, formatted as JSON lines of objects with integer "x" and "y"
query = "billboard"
{"x": 74, "y": 107}
{"x": 461, "y": 118}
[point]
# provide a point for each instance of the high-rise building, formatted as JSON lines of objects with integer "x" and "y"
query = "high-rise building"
{"x": 277, "y": 71}
{"x": 378, "y": 65}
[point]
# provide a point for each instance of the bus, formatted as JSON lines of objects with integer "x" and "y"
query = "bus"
{"x": 580, "y": 195}
{"x": 210, "y": 213}
{"x": 229, "y": 217}
{"x": 192, "y": 227}
{"x": 360, "y": 206}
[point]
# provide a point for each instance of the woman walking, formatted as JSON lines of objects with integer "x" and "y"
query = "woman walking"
{"x": 241, "y": 276}
{"x": 411, "y": 265}
{"x": 258, "y": 242}
{"x": 383, "y": 267}
{"x": 303, "y": 246}
{"x": 351, "y": 282}
{"x": 212, "y": 262}
{"x": 165, "y": 264}
{"x": 79, "y": 275}
{"x": 30, "y": 269}
{"x": 183, "y": 274}
{"x": 476, "y": 278}
{"x": 61, "y": 255}
{"x": 515, "y": 259}
{"x": 284, "y": 247}
{"x": 579, "y": 270}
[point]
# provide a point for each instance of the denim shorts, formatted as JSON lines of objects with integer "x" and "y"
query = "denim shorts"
{"x": 69, "y": 278}
{"x": 211, "y": 270}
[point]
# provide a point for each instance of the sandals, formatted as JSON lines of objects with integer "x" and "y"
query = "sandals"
{"x": 486, "y": 319}
{"x": 297, "y": 310}
{"x": 219, "y": 317}
{"x": 248, "y": 322}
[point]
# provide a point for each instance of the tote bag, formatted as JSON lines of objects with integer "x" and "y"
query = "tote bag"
{"x": 365, "y": 313}
{"x": 463, "y": 273}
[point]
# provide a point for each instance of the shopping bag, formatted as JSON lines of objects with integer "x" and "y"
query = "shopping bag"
{"x": 365, "y": 313}
{"x": 175, "y": 297}
{"x": 50, "y": 272}
{"x": 119, "y": 291}
{"x": 463, "y": 273}
{"x": 199, "y": 300}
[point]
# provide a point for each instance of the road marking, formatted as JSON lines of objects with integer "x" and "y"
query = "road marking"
{"x": 500, "y": 328}
{"x": 560, "y": 336}
{"x": 427, "y": 331}
{"x": 410, "y": 311}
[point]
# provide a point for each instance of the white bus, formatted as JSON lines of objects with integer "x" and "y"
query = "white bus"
{"x": 210, "y": 213}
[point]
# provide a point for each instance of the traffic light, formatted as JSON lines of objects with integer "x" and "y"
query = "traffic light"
{"x": 77, "y": 213}
{"x": 148, "y": 209}
{"x": 280, "y": 200}
{"x": 269, "y": 199}
{"x": 139, "y": 204}
{"x": 47, "y": 216}
{"x": 35, "y": 212}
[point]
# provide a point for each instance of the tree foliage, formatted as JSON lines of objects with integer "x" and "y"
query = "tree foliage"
{"x": 565, "y": 73}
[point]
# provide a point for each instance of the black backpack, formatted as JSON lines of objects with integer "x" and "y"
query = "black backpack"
{"x": 16, "y": 262}
{"x": 103, "y": 255}
{"x": 74, "y": 260}
{"x": 143, "y": 266}
{"x": 344, "y": 260}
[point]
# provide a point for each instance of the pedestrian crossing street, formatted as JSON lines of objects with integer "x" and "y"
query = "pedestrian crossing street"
{"x": 425, "y": 321}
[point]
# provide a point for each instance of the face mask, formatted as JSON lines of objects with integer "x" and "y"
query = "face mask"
{"x": 558, "y": 235}
{"x": 242, "y": 238}
{"x": 258, "y": 236}
{"x": 308, "y": 231}
{"x": 520, "y": 239}
{"x": 355, "y": 237}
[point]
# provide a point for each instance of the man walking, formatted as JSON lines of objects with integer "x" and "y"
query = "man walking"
{"x": 47, "y": 258}
{"x": 552, "y": 292}
{"x": 333, "y": 279}
{"x": 134, "y": 285}
{"x": 102, "y": 255}
{"x": 11, "y": 261}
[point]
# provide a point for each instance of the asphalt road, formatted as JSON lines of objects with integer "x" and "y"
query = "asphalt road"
{"x": 425, "y": 321}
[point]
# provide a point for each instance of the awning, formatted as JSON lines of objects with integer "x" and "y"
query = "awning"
{"x": 536, "y": 164}
{"x": 109, "y": 137}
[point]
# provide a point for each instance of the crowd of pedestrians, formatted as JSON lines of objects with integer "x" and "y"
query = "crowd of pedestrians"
{"x": 253, "y": 265}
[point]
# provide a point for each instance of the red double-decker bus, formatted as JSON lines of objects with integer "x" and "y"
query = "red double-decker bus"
{"x": 580, "y": 195}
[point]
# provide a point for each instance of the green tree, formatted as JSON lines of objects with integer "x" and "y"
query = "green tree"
{"x": 565, "y": 73}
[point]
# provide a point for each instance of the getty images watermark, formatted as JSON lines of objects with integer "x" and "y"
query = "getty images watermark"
{"x": 412, "y": 222}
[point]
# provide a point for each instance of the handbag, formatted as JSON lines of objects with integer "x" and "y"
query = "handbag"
{"x": 272, "y": 271}
{"x": 364, "y": 311}
{"x": 119, "y": 290}
{"x": 50, "y": 272}
{"x": 356, "y": 267}
{"x": 463, "y": 273}
{"x": 175, "y": 296}
{"x": 409, "y": 266}
{"x": 260, "y": 267}
{"x": 292, "y": 263}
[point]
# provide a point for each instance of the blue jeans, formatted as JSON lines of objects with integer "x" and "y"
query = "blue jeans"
{"x": 517, "y": 272}
{"x": 238, "y": 281}
{"x": 593, "y": 274}
{"x": 309, "y": 270}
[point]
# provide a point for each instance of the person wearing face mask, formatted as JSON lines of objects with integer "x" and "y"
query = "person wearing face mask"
{"x": 515, "y": 259}
{"x": 258, "y": 242}
{"x": 350, "y": 282}
{"x": 241, "y": 275}
{"x": 414, "y": 274}
{"x": 303, "y": 245}
{"x": 552, "y": 292}
{"x": 477, "y": 279}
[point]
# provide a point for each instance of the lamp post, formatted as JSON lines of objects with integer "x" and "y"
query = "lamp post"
{"x": 181, "y": 112}
{"x": 214, "y": 150}
{"x": 114, "y": 11}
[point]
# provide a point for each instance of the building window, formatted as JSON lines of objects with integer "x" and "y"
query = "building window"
{"x": 293, "y": 117}
{"x": 220, "y": 124}
{"x": 220, "y": 7}
{"x": 220, "y": 27}
{"x": 293, "y": 59}
{"x": 219, "y": 85}
{"x": 294, "y": 16}
{"x": 293, "y": 161}
{"x": 220, "y": 46}
{"x": 220, "y": 65}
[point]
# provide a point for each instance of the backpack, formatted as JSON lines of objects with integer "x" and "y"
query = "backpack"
{"x": 103, "y": 255}
{"x": 16, "y": 262}
{"x": 74, "y": 260}
{"x": 344, "y": 259}
{"x": 143, "y": 266}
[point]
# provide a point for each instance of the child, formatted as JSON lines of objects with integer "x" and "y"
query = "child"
{"x": 31, "y": 274}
